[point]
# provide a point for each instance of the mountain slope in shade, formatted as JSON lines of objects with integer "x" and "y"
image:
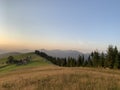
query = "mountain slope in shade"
{"x": 64, "y": 53}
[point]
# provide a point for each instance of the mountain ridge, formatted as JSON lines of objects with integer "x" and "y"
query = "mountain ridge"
{"x": 54, "y": 53}
{"x": 64, "y": 53}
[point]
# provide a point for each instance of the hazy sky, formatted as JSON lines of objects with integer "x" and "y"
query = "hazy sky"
{"x": 82, "y": 25}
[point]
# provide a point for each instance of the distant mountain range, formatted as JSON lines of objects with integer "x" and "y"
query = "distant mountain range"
{"x": 3, "y": 51}
{"x": 65, "y": 53}
{"x": 6, "y": 53}
{"x": 9, "y": 54}
{"x": 54, "y": 53}
{"x": 20, "y": 51}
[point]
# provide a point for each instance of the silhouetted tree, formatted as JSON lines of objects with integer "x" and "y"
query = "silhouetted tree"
{"x": 71, "y": 62}
{"x": 111, "y": 56}
{"x": 37, "y": 52}
{"x": 117, "y": 61}
{"x": 10, "y": 60}
{"x": 102, "y": 59}
{"x": 89, "y": 62}
{"x": 79, "y": 61}
{"x": 83, "y": 59}
{"x": 85, "y": 63}
{"x": 95, "y": 58}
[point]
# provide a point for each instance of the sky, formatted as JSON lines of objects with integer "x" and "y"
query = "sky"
{"x": 83, "y": 25}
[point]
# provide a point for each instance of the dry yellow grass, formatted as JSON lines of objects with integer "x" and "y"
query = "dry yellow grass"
{"x": 60, "y": 78}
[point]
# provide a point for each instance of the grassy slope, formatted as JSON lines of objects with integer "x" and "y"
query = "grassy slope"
{"x": 60, "y": 78}
{"x": 36, "y": 61}
{"x": 41, "y": 75}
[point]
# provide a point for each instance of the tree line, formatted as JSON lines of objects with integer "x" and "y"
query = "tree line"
{"x": 109, "y": 59}
{"x": 22, "y": 61}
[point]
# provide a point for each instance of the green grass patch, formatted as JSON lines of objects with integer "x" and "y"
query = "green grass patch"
{"x": 35, "y": 62}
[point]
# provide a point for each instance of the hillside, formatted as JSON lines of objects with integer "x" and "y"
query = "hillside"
{"x": 40, "y": 74}
{"x": 54, "y": 53}
{"x": 9, "y": 54}
{"x": 35, "y": 61}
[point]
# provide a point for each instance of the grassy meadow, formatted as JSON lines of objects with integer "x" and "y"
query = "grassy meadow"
{"x": 36, "y": 61}
{"x": 40, "y": 74}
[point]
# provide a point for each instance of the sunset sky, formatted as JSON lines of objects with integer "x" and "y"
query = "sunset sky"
{"x": 83, "y": 25}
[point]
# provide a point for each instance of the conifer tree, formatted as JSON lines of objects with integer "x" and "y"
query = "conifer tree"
{"x": 102, "y": 59}
{"x": 79, "y": 61}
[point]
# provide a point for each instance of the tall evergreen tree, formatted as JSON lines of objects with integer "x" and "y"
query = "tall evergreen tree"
{"x": 90, "y": 64}
{"x": 102, "y": 59}
{"x": 71, "y": 62}
{"x": 117, "y": 61}
{"x": 116, "y": 57}
{"x": 83, "y": 60}
{"x": 111, "y": 56}
{"x": 79, "y": 61}
{"x": 95, "y": 59}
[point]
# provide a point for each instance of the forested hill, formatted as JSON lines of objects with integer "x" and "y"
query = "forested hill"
{"x": 111, "y": 59}
{"x": 64, "y": 53}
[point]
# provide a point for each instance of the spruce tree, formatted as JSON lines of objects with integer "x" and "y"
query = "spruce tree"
{"x": 117, "y": 61}
{"x": 79, "y": 61}
{"x": 95, "y": 58}
{"x": 90, "y": 64}
{"x": 102, "y": 59}
{"x": 112, "y": 55}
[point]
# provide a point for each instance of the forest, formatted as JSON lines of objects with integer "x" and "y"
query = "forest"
{"x": 109, "y": 59}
